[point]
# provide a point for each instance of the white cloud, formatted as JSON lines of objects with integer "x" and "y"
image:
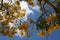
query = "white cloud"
{"x": 24, "y": 5}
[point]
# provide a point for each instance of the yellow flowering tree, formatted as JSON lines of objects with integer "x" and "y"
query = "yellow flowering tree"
{"x": 10, "y": 12}
{"x": 51, "y": 22}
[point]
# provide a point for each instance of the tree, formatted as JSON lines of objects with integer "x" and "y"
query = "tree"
{"x": 11, "y": 11}
{"x": 52, "y": 22}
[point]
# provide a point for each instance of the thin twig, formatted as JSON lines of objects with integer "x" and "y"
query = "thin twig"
{"x": 56, "y": 10}
{"x": 1, "y": 4}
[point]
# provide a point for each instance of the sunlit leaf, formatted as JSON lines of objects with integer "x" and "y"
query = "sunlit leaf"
{"x": 52, "y": 15}
{"x": 41, "y": 33}
{"x": 11, "y": 35}
{"x": 24, "y": 26}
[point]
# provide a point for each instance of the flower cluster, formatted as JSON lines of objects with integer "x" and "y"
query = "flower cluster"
{"x": 11, "y": 14}
{"x": 48, "y": 24}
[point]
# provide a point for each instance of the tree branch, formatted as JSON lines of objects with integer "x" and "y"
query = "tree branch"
{"x": 55, "y": 8}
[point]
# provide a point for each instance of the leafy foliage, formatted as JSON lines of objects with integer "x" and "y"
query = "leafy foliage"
{"x": 52, "y": 20}
{"x": 45, "y": 24}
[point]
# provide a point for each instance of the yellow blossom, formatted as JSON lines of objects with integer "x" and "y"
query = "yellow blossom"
{"x": 5, "y": 33}
{"x": 22, "y": 32}
{"x": 6, "y": 5}
{"x": 52, "y": 15}
{"x": 24, "y": 26}
{"x": 56, "y": 27}
{"x": 49, "y": 19}
{"x": 11, "y": 35}
{"x": 31, "y": 2}
{"x": 41, "y": 33}
{"x": 20, "y": 15}
{"x": 17, "y": 3}
{"x": 5, "y": 22}
{"x": 6, "y": 16}
{"x": 42, "y": 1}
{"x": 50, "y": 29}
